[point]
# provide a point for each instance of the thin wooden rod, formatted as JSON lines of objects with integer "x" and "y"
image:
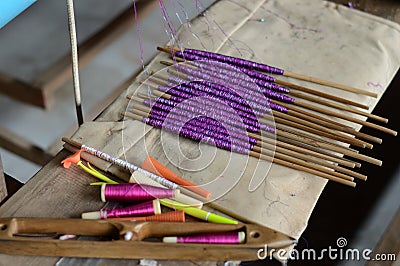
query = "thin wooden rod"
{"x": 74, "y": 58}
{"x": 302, "y": 150}
{"x": 329, "y": 83}
{"x": 317, "y": 149}
{"x": 316, "y": 129}
{"x": 345, "y": 129}
{"x": 346, "y": 117}
{"x": 347, "y": 152}
{"x": 340, "y": 107}
{"x": 314, "y": 138}
{"x": 321, "y": 94}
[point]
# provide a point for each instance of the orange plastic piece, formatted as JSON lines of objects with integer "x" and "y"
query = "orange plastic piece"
{"x": 152, "y": 165}
{"x": 75, "y": 158}
{"x": 174, "y": 216}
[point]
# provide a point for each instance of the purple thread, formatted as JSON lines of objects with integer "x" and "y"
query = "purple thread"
{"x": 141, "y": 209}
{"x": 208, "y": 132}
{"x": 135, "y": 192}
{"x": 194, "y": 135}
{"x": 219, "y": 91}
{"x": 181, "y": 92}
{"x": 217, "y": 78}
{"x": 207, "y": 123}
{"x": 247, "y": 118}
{"x": 257, "y": 77}
{"x": 213, "y": 86}
{"x": 203, "y": 106}
{"x": 211, "y": 238}
{"x": 232, "y": 60}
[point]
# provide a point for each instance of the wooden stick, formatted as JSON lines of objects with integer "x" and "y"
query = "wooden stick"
{"x": 314, "y": 138}
{"x": 345, "y": 129}
{"x": 346, "y": 117}
{"x": 329, "y": 83}
{"x": 321, "y": 94}
{"x": 340, "y": 107}
{"x": 317, "y": 149}
{"x": 306, "y": 167}
{"x": 317, "y": 129}
{"x": 265, "y": 139}
{"x": 337, "y": 149}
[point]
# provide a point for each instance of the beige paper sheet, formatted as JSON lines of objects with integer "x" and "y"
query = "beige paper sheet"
{"x": 310, "y": 37}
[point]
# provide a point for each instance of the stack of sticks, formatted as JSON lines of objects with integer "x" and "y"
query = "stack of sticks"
{"x": 281, "y": 124}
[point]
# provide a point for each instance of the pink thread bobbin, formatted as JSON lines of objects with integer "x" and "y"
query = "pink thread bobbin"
{"x": 210, "y": 238}
{"x": 142, "y": 209}
{"x": 132, "y": 192}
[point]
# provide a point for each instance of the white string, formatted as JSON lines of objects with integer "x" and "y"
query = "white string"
{"x": 74, "y": 56}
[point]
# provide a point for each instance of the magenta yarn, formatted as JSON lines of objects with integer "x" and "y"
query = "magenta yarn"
{"x": 141, "y": 209}
{"x": 135, "y": 192}
{"x": 218, "y": 78}
{"x": 208, "y": 127}
{"x": 235, "y": 72}
{"x": 195, "y": 135}
{"x": 211, "y": 238}
{"x": 167, "y": 105}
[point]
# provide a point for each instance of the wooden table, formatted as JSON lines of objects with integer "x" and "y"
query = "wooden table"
{"x": 54, "y": 187}
{"x": 3, "y": 187}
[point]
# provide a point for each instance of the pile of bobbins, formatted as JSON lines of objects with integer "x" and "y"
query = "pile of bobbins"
{"x": 290, "y": 125}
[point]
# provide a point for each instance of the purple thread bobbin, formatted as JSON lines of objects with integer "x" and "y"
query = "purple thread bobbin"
{"x": 134, "y": 192}
{"x": 141, "y": 209}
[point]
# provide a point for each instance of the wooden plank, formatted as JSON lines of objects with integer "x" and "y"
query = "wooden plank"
{"x": 53, "y": 192}
{"x": 389, "y": 244}
{"x": 57, "y": 74}
{"x": 98, "y": 109}
{"x": 40, "y": 91}
{"x": 3, "y": 187}
{"x": 22, "y": 91}
{"x": 22, "y": 147}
